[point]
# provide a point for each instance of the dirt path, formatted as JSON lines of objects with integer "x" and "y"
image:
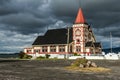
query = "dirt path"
{"x": 53, "y": 70}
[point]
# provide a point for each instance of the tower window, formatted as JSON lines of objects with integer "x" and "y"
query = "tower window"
{"x": 77, "y": 32}
{"x": 78, "y": 48}
{"x": 78, "y": 40}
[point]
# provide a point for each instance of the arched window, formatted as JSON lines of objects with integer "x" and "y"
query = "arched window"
{"x": 77, "y": 32}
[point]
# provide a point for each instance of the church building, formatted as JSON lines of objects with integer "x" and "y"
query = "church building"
{"x": 64, "y": 42}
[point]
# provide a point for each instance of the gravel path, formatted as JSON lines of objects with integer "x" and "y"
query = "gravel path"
{"x": 53, "y": 70}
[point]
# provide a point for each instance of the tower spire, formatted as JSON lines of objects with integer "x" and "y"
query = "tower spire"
{"x": 80, "y": 17}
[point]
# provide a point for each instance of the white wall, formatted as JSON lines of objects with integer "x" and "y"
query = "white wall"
{"x": 112, "y": 57}
{"x": 87, "y": 50}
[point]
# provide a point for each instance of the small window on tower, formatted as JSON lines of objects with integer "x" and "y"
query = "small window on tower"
{"x": 77, "y": 32}
{"x": 78, "y": 48}
{"x": 78, "y": 40}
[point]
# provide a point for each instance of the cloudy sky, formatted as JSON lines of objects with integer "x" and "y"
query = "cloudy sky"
{"x": 21, "y": 21}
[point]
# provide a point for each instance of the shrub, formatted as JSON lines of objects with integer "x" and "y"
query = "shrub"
{"x": 43, "y": 57}
{"x": 28, "y": 57}
{"x": 79, "y": 61}
{"x": 76, "y": 54}
{"x": 47, "y": 56}
{"x": 40, "y": 57}
{"x": 23, "y": 55}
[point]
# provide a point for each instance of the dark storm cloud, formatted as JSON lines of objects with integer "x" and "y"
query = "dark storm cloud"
{"x": 6, "y": 7}
{"x": 26, "y": 16}
{"x": 22, "y": 20}
{"x": 24, "y": 23}
{"x": 30, "y": 16}
{"x": 99, "y": 14}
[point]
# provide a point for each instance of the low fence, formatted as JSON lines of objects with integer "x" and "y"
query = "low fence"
{"x": 108, "y": 57}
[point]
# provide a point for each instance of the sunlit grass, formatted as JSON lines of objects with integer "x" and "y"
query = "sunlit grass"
{"x": 90, "y": 69}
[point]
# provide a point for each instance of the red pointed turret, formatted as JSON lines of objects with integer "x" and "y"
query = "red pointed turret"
{"x": 80, "y": 17}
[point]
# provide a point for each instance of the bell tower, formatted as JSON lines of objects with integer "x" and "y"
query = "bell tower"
{"x": 79, "y": 28}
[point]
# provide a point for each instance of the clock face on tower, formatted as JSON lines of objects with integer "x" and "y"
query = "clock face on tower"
{"x": 77, "y": 32}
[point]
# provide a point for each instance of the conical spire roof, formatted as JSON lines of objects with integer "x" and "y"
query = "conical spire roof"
{"x": 80, "y": 17}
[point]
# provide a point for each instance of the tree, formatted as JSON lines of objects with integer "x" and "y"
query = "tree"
{"x": 23, "y": 55}
{"x": 47, "y": 56}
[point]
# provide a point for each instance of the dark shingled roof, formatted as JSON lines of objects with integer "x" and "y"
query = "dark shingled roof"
{"x": 39, "y": 39}
{"x": 89, "y": 44}
{"x": 98, "y": 44}
{"x": 55, "y": 36}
